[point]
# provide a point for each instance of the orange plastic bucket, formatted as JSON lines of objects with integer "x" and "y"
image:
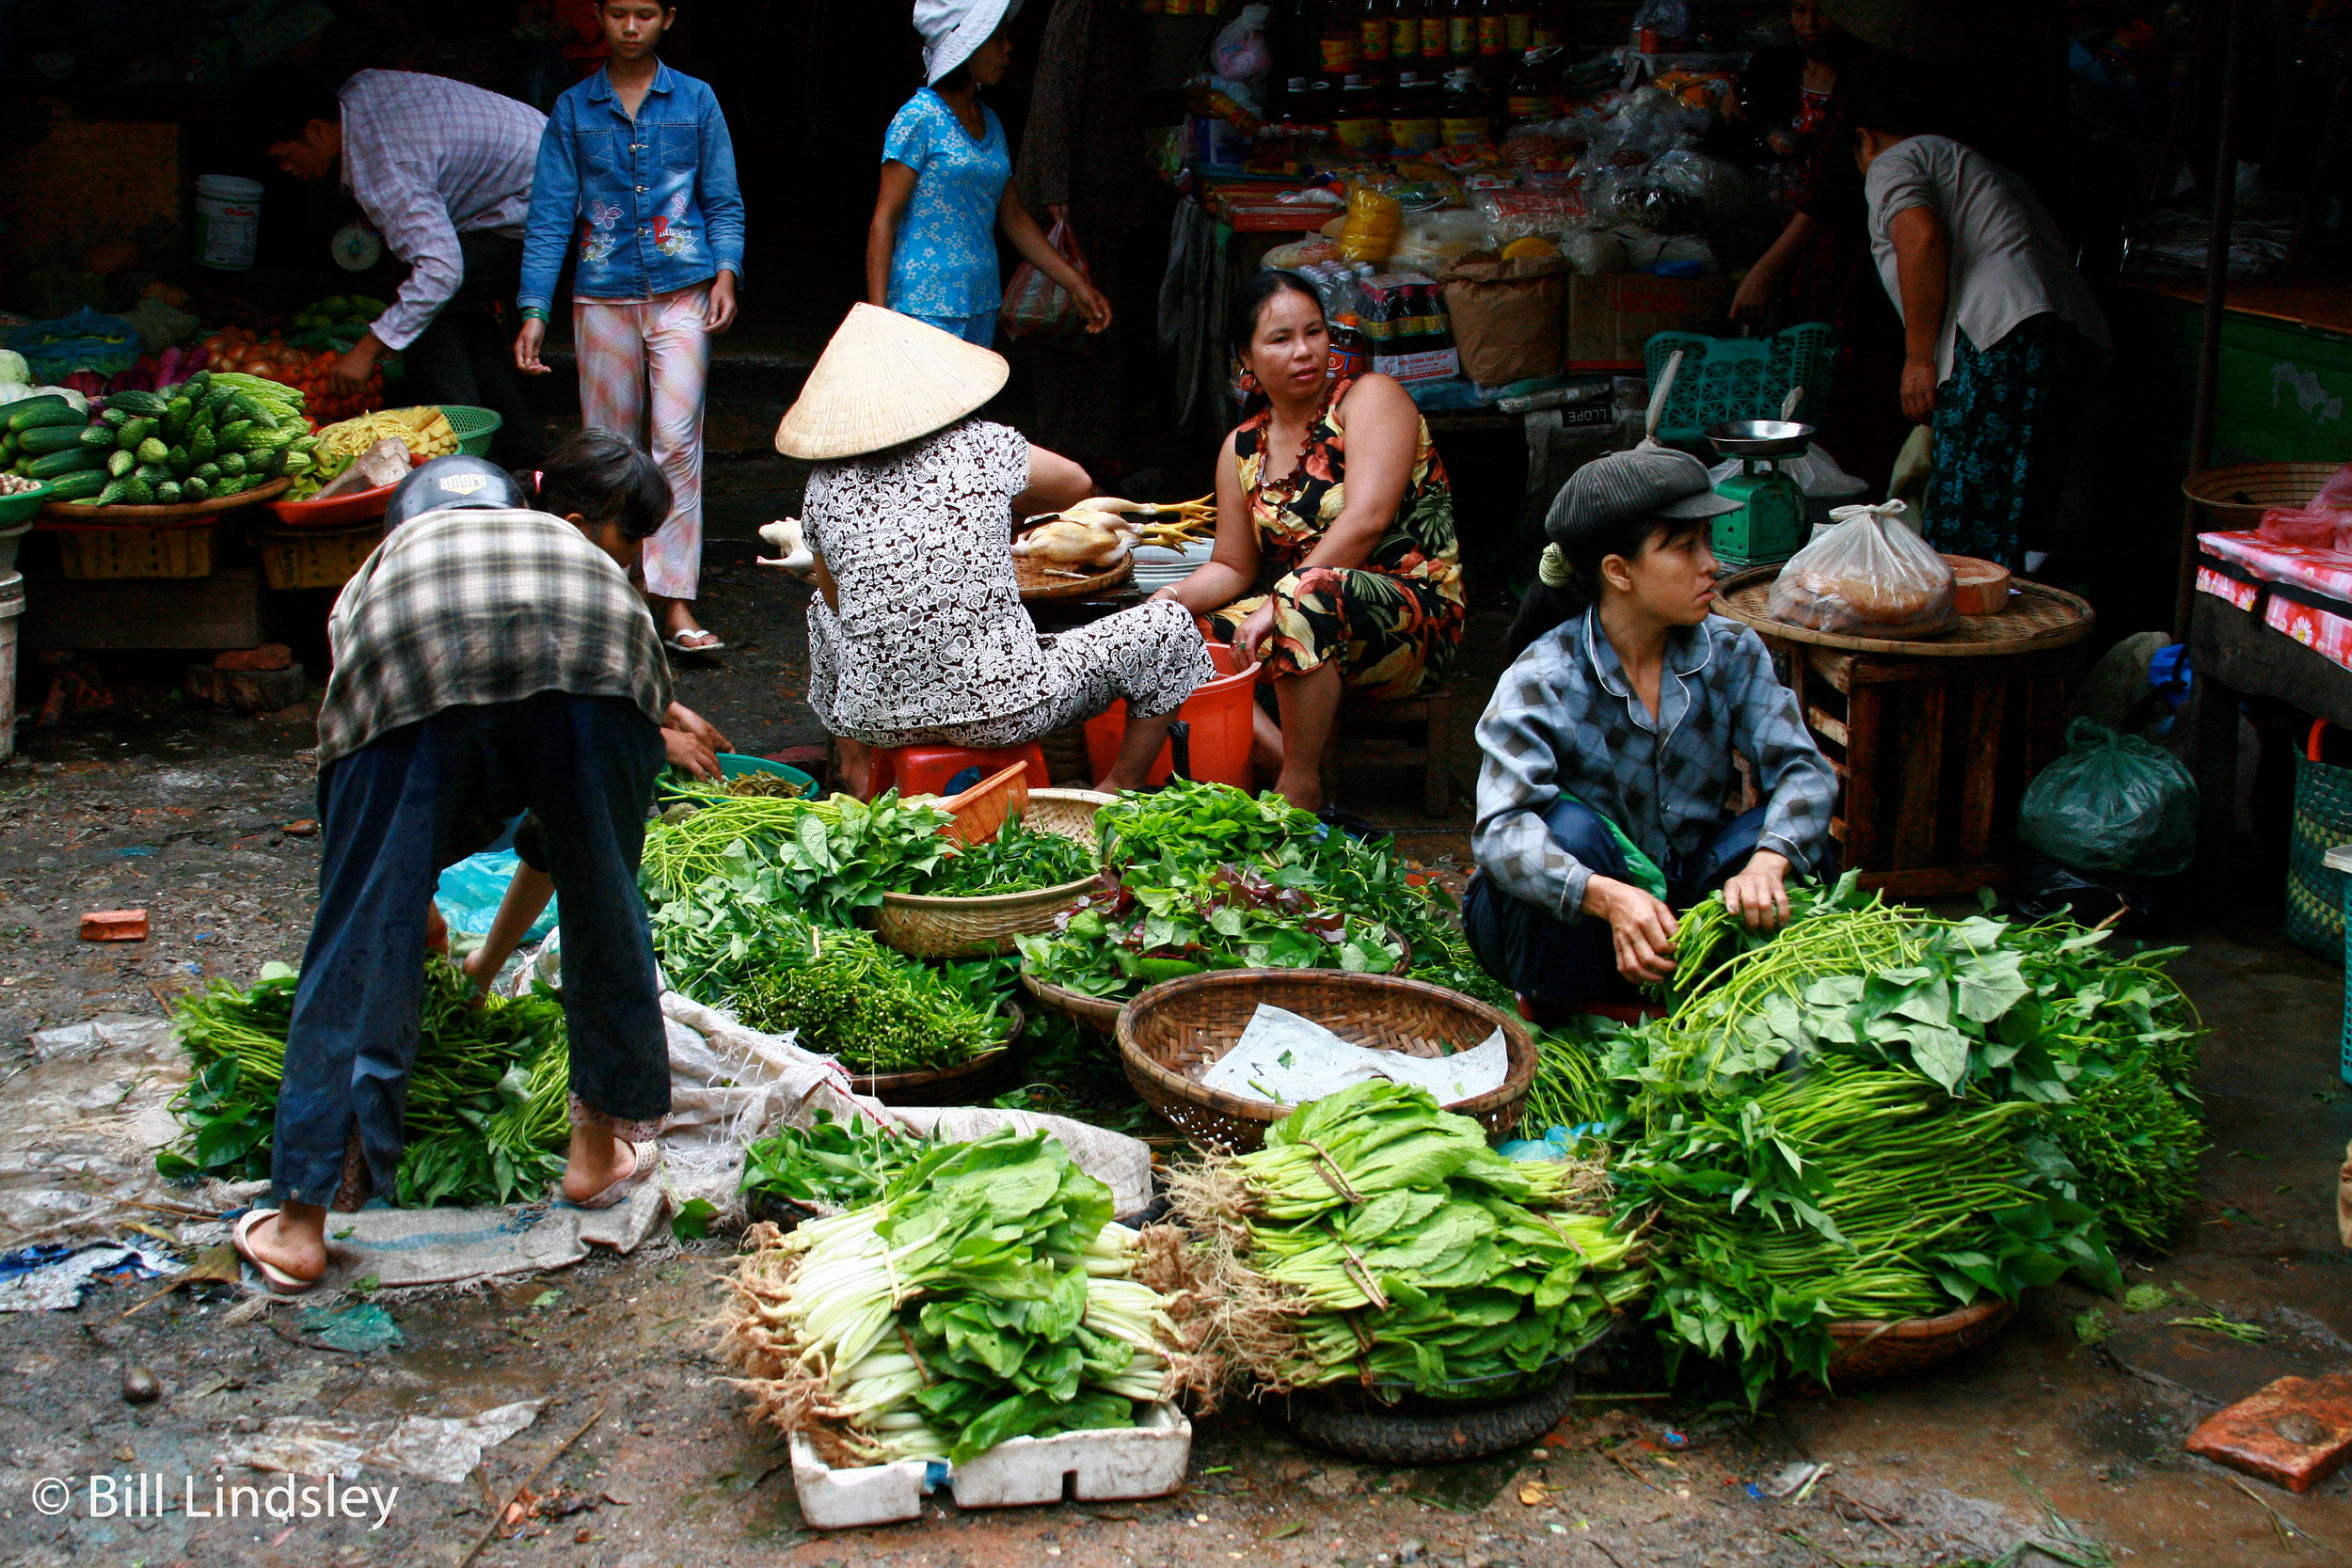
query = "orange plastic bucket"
{"x": 1219, "y": 711}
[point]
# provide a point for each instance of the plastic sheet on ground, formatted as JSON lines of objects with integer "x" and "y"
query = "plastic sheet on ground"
{"x": 433, "y": 1447}
{"x": 80, "y": 1127}
{"x": 51, "y": 1279}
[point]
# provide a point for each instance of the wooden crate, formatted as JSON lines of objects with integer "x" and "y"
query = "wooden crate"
{"x": 1932, "y": 757}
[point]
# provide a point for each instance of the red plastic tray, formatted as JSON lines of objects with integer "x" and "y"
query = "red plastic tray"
{"x": 335, "y": 511}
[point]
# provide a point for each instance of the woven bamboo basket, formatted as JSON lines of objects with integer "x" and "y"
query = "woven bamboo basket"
{"x": 320, "y": 558}
{"x": 929, "y": 927}
{"x": 1043, "y": 580}
{"x": 1100, "y": 1013}
{"x": 2238, "y": 496}
{"x": 1176, "y": 1031}
{"x": 949, "y": 1086}
{"x": 98, "y": 552}
{"x": 1869, "y": 1350}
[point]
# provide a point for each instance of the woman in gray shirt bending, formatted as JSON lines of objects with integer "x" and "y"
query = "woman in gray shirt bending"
{"x": 2000, "y": 332}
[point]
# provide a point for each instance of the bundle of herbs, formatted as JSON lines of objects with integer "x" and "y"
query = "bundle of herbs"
{"x": 829, "y": 858}
{"x": 987, "y": 1296}
{"x": 1376, "y": 1242}
{"x": 846, "y": 995}
{"x": 828, "y": 1166}
{"x": 1162, "y": 922}
{"x": 1017, "y": 860}
{"x": 2022, "y": 1088}
{"x": 487, "y": 1119}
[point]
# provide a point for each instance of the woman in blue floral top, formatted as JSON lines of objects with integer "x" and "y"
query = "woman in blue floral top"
{"x": 636, "y": 168}
{"x": 946, "y": 185}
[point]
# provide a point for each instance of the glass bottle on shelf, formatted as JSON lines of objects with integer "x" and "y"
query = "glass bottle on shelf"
{"x": 1360, "y": 120}
{"x": 1412, "y": 116}
{"x": 1373, "y": 35}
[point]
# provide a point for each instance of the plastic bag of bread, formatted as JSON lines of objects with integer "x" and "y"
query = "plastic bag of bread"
{"x": 1869, "y": 575}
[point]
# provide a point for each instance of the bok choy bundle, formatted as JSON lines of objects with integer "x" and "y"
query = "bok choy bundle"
{"x": 989, "y": 1295}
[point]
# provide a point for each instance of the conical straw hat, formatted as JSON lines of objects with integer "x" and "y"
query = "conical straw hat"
{"x": 887, "y": 378}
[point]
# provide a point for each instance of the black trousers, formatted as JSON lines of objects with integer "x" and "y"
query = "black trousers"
{"x": 466, "y": 356}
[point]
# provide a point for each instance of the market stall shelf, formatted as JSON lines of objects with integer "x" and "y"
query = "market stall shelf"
{"x": 1043, "y": 581}
{"x": 65, "y": 512}
{"x": 1933, "y": 741}
{"x": 1870, "y": 1351}
{"x": 1176, "y": 1031}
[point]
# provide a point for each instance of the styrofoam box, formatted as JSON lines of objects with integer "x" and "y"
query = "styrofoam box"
{"x": 1147, "y": 1460}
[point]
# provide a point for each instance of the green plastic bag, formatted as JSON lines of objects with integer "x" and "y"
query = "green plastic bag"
{"x": 2113, "y": 802}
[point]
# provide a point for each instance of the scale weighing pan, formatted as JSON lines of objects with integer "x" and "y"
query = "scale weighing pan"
{"x": 1759, "y": 437}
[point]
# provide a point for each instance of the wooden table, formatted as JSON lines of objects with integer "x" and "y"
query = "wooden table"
{"x": 1932, "y": 742}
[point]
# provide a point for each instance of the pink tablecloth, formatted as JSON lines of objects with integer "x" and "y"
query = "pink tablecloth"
{"x": 2323, "y": 573}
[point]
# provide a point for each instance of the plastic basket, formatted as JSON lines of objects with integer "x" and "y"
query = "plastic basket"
{"x": 98, "y": 553}
{"x": 1742, "y": 379}
{"x": 2322, "y": 820}
{"x": 315, "y": 558}
{"x": 474, "y": 427}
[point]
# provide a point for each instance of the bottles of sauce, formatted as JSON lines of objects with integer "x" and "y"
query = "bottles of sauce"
{"x": 1465, "y": 113}
{"x": 1360, "y": 118}
{"x": 1412, "y": 116}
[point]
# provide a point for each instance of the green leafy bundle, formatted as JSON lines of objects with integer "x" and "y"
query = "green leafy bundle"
{"x": 487, "y": 1116}
{"x": 1017, "y": 860}
{"x": 1572, "y": 1085}
{"x": 828, "y": 1164}
{"x": 878, "y": 1012}
{"x": 1188, "y": 821}
{"x": 1137, "y": 932}
{"x": 988, "y": 1296}
{"x": 1405, "y": 1254}
{"x": 1845, "y": 1191}
{"x": 829, "y": 858}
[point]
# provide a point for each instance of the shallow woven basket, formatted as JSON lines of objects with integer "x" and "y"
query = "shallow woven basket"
{"x": 948, "y": 1086}
{"x": 928, "y": 927}
{"x": 1869, "y": 1350}
{"x": 1176, "y": 1031}
{"x": 1098, "y": 1012}
{"x": 2238, "y": 496}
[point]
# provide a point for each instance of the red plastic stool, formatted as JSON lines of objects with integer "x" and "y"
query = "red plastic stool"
{"x": 926, "y": 769}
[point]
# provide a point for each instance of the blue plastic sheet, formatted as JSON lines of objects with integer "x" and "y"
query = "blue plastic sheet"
{"x": 470, "y": 891}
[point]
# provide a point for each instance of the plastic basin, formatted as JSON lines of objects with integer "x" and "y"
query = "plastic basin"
{"x": 734, "y": 765}
{"x": 335, "y": 511}
{"x": 1220, "y": 710}
{"x": 22, "y": 507}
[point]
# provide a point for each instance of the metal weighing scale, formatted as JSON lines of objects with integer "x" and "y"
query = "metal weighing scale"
{"x": 1771, "y": 524}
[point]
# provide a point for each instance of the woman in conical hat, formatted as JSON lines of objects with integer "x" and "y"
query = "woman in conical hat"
{"x": 918, "y": 635}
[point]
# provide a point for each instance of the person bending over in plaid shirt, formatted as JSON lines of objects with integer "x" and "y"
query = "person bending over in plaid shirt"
{"x": 488, "y": 659}
{"x": 1606, "y": 788}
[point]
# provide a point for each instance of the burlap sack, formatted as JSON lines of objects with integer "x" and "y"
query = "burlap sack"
{"x": 1508, "y": 317}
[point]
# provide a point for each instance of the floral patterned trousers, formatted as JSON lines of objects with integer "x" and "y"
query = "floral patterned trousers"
{"x": 2004, "y": 429}
{"x": 1391, "y": 635}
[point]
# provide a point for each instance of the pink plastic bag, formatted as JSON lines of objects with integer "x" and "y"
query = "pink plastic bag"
{"x": 2322, "y": 523}
{"x": 1035, "y": 305}
{"x": 2336, "y": 494}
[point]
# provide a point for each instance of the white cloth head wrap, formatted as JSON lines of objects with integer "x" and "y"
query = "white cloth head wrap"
{"x": 953, "y": 29}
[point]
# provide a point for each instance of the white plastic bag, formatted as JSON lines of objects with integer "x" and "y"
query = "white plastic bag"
{"x": 1814, "y": 471}
{"x": 1869, "y": 575}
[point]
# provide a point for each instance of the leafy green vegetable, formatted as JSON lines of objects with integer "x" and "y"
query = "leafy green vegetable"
{"x": 487, "y": 1114}
{"x": 830, "y": 1164}
{"x": 1391, "y": 1248}
{"x": 829, "y": 858}
{"x": 1017, "y": 860}
{"x": 878, "y": 1012}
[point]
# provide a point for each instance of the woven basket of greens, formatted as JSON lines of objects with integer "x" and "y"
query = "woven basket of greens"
{"x": 977, "y": 901}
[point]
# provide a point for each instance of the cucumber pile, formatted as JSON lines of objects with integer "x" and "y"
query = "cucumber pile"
{"x": 210, "y": 436}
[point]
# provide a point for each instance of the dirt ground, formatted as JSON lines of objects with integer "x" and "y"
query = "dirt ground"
{"x": 200, "y": 818}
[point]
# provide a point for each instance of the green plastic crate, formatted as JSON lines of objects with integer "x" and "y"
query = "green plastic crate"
{"x": 2339, "y": 861}
{"x": 1723, "y": 379}
{"x": 474, "y": 427}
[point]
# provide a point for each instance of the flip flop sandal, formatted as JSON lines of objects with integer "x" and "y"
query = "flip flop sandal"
{"x": 677, "y": 643}
{"x": 280, "y": 1282}
{"x": 641, "y": 1166}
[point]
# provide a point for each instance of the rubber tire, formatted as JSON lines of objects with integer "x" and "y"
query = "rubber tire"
{"x": 1479, "y": 1431}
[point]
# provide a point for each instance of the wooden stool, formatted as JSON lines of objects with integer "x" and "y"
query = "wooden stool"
{"x": 1410, "y": 732}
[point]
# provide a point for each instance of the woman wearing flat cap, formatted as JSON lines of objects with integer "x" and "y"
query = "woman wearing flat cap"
{"x": 918, "y": 635}
{"x": 1606, "y": 778}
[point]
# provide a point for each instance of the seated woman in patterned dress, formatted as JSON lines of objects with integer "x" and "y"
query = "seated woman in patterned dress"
{"x": 1335, "y": 559}
{"x": 918, "y": 635}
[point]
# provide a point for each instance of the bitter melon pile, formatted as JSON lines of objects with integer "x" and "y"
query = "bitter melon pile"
{"x": 211, "y": 437}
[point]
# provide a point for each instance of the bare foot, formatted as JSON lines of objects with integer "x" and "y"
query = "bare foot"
{"x": 296, "y": 1249}
{"x": 590, "y": 1173}
{"x": 1303, "y": 790}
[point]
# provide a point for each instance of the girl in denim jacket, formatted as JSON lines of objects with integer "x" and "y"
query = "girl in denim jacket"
{"x": 637, "y": 167}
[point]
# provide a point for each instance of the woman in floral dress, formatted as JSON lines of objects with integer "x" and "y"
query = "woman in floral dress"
{"x": 1335, "y": 562}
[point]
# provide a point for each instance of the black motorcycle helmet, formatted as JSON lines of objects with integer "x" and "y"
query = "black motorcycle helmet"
{"x": 447, "y": 483}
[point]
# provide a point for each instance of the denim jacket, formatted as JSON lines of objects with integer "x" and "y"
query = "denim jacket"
{"x": 653, "y": 202}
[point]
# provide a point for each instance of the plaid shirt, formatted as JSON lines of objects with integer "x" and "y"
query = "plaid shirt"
{"x": 459, "y": 608}
{"x": 429, "y": 159}
{"x": 1565, "y": 718}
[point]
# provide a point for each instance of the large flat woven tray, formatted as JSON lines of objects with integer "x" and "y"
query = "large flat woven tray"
{"x": 2039, "y": 617}
{"x": 133, "y": 516}
{"x": 1042, "y": 579}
